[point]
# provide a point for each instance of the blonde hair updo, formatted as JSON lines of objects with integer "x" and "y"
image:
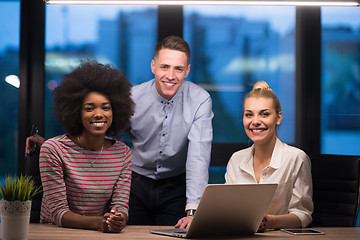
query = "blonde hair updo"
{"x": 262, "y": 89}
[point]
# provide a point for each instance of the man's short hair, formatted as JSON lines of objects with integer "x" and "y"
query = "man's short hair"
{"x": 173, "y": 43}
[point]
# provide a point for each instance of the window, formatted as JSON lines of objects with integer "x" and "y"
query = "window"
{"x": 340, "y": 87}
{"x": 234, "y": 47}
{"x": 123, "y": 36}
{"x": 9, "y": 65}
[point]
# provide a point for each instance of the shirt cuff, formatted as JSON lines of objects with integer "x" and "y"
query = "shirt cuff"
{"x": 122, "y": 208}
{"x": 191, "y": 206}
{"x": 59, "y": 219}
{"x": 304, "y": 218}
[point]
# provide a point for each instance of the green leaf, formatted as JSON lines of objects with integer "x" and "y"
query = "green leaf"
{"x": 21, "y": 188}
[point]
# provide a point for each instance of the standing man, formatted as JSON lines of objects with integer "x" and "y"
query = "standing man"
{"x": 171, "y": 135}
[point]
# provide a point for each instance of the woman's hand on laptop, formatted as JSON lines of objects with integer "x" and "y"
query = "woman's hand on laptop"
{"x": 266, "y": 223}
{"x": 289, "y": 220}
{"x": 184, "y": 222}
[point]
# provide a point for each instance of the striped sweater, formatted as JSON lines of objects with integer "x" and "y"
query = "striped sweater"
{"x": 71, "y": 184}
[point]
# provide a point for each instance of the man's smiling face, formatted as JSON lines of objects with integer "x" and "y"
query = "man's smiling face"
{"x": 170, "y": 67}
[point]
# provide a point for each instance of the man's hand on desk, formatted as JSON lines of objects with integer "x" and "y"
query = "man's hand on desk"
{"x": 114, "y": 221}
{"x": 184, "y": 222}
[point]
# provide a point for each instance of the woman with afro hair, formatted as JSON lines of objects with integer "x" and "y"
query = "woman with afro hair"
{"x": 86, "y": 175}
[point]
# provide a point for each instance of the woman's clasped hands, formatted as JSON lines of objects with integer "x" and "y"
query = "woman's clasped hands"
{"x": 114, "y": 221}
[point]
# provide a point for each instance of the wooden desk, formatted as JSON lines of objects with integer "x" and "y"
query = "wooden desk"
{"x": 50, "y": 232}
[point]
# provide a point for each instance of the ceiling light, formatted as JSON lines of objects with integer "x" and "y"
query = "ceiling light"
{"x": 13, "y": 80}
{"x": 213, "y": 2}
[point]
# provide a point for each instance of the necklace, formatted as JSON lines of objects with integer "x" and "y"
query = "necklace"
{"x": 91, "y": 162}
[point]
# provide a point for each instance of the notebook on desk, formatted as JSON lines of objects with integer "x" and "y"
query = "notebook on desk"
{"x": 227, "y": 210}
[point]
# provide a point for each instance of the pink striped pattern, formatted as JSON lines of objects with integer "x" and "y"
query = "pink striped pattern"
{"x": 71, "y": 184}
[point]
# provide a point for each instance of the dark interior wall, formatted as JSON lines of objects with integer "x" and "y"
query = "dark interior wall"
{"x": 170, "y": 21}
{"x": 31, "y": 72}
{"x": 308, "y": 79}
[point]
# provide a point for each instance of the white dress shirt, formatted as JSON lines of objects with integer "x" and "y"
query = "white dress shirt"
{"x": 290, "y": 168}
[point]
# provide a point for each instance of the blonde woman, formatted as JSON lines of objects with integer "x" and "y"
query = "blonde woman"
{"x": 269, "y": 160}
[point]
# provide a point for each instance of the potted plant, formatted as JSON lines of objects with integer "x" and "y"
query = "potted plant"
{"x": 15, "y": 206}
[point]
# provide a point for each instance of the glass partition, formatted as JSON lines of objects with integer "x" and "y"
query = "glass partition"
{"x": 123, "y": 36}
{"x": 9, "y": 84}
{"x": 232, "y": 48}
{"x": 340, "y": 83}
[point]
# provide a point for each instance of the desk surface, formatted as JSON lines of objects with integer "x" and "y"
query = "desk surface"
{"x": 44, "y": 231}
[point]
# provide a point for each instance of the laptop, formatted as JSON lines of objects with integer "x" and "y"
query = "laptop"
{"x": 227, "y": 210}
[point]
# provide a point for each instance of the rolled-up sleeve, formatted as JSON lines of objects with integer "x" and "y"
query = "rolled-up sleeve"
{"x": 301, "y": 203}
{"x": 199, "y": 151}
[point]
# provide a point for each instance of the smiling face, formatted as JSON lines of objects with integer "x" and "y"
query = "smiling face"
{"x": 260, "y": 119}
{"x": 170, "y": 67}
{"x": 96, "y": 114}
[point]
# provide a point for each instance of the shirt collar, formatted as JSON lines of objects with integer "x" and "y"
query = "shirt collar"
{"x": 162, "y": 100}
{"x": 247, "y": 165}
{"x": 275, "y": 161}
{"x": 276, "y": 155}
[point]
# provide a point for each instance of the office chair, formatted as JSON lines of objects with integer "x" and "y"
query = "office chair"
{"x": 32, "y": 169}
{"x": 336, "y": 190}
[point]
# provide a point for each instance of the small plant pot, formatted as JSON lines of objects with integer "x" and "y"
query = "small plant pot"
{"x": 15, "y": 219}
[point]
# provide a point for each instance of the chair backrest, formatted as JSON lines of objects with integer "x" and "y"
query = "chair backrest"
{"x": 336, "y": 190}
{"x": 32, "y": 169}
